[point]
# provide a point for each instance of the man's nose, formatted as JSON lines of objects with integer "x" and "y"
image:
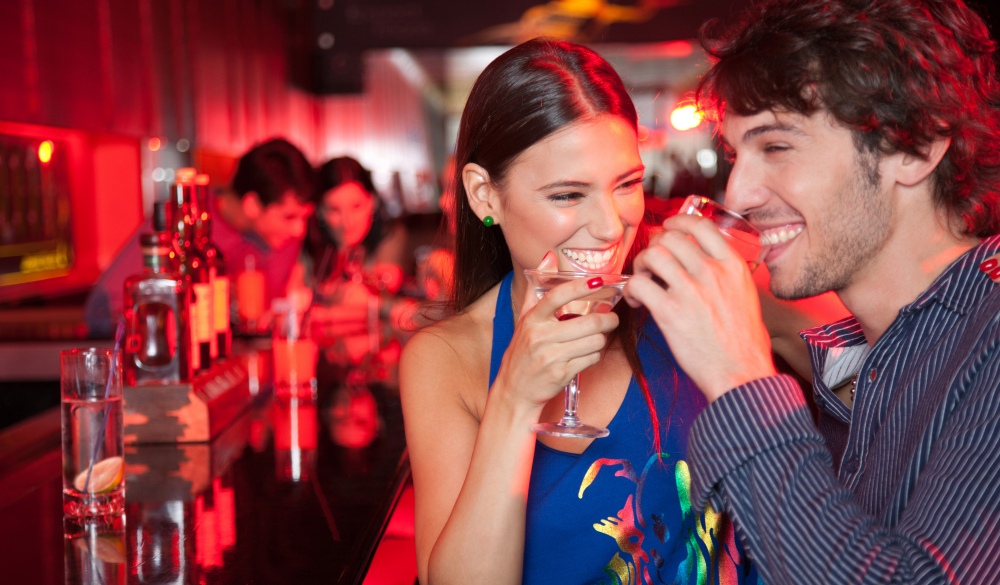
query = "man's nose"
{"x": 745, "y": 188}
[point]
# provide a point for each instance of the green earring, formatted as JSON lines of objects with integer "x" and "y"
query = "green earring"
{"x": 488, "y": 221}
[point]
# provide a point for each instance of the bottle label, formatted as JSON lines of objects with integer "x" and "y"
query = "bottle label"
{"x": 204, "y": 328}
{"x": 221, "y": 304}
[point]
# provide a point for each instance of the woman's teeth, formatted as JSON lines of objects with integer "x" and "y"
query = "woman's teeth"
{"x": 589, "y": 259}
{"x": 780, "y": 235}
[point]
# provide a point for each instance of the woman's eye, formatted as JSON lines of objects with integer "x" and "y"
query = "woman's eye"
{"x": 629, "y": 185}
{"x": 566, "y": 197}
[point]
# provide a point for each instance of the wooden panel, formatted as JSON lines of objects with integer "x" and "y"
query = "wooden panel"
{"x": 18, "y": 97}
{"x": 69, "y": 64}
{"x": 130, "y": 77}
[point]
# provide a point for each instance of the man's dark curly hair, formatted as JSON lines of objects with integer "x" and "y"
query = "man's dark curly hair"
{"x": 898, "y": 73}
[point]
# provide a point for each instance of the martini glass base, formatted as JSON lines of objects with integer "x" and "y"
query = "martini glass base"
{"x": 572, "y": 431}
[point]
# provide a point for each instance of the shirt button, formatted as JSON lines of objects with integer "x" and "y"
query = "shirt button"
{"x": 851, "y": 465}
{"x": 872, "y": 374}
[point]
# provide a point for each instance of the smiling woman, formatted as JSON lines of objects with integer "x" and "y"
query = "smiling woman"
{"x": 548, "y": 149}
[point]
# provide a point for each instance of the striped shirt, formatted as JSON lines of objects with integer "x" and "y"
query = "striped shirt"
{"x": 903, "y": 489}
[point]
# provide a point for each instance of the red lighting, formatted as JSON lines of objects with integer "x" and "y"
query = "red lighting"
{"x": 154, "y": 144}
{"x": 676, "y": 49}
{"x": 45, "y": 151}
{"x": 685, "y": 117}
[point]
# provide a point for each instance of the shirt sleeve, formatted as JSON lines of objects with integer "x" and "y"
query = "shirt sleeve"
{"x": 757, "y": 451}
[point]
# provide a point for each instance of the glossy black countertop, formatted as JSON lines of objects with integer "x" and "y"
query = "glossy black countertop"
{"x": 291, "y": 492}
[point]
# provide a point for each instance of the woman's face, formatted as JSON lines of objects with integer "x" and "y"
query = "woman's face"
{"x": 348, "y": 211}
{"x": 577, "y": 193}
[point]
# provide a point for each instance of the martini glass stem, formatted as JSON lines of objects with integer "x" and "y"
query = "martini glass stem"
{"x": 569, "y": 418}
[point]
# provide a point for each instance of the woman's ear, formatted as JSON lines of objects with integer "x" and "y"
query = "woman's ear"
{"x": 252, "y": 207}
{"x": 482, "y": 195}
{"x": 914, "y": 169}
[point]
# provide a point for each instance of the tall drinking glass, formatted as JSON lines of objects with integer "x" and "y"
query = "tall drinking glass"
{"x": 93, "y": 439}
{"x": 740, "y": 233}
{"x": 600, "y": 300}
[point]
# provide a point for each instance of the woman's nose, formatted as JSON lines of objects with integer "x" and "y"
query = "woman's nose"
{"x": 607, "y": 223}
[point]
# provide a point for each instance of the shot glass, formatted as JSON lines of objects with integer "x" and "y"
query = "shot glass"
{"x": 739, "y": 232}
{"x": 93, "y": 439}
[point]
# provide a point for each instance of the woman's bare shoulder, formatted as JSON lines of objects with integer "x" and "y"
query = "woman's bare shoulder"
{"x": 465, "y": 333}
{"x": 448, "y": 362}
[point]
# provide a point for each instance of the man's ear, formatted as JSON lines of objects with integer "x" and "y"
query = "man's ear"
{"x": 482, "y": 195}
{"x": 252, "y": 207}
{"x": 914, "y": 169}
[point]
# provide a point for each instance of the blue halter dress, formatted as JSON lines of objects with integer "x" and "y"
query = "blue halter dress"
{"x": 616, "y": 513}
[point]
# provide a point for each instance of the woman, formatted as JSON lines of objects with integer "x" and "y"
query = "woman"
{"x": 356, "y": 257}
{"x": 548, "y": 169}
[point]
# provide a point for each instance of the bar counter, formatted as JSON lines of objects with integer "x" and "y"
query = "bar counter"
{"x": 288, "y": 492}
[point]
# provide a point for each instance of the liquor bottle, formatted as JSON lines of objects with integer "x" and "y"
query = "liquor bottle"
{"x": 194, "y": 265}
{"x": 223, "y": 340}
{"x": 157, "y": 335}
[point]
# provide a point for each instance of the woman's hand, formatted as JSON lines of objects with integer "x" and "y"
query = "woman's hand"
{"x": 545, "y": 353}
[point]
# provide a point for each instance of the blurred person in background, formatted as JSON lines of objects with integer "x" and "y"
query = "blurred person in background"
{"x": 264, "y": 213}
{"x": 260, "y": 221}
{"x": 354, "y": 256}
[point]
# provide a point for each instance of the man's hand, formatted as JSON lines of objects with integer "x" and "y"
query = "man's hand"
{"x": 701, "y": 295}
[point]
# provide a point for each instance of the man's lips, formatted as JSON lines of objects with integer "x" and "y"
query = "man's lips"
{"x": 780, "y": 235}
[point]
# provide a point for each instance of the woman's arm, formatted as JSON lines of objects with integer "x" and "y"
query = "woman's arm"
{"x": 470, "y": 457}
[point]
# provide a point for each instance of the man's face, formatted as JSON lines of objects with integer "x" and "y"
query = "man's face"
{"x": 283, "y": 222}
{"x": 801, "y": 181}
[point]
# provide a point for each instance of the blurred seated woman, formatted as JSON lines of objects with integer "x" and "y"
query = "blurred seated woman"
{"x": 354, "y": 257}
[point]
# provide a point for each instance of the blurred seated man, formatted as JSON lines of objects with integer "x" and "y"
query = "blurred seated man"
{"x": 261, "y": 220}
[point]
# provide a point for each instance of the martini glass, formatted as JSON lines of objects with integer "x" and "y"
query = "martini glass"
{"x": 600, "y": 300}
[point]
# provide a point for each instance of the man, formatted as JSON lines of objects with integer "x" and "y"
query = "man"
{"x": 866, "y": 145}
{"x": 264, "y": 213}
{"x": 262, "y": 216}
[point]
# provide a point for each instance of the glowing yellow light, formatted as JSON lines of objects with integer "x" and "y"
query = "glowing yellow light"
{"x": 45, "y": 151}
{"x": 685, "y": 117}
{"x": 186, "y": 175}
{"x": 154, "y": 144}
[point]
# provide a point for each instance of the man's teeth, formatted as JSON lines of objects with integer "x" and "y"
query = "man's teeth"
{"x": 590, "y": 259}
{"x": 780, "y": 236}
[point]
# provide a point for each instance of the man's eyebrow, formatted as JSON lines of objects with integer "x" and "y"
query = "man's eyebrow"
{"x": 765, "y": 128}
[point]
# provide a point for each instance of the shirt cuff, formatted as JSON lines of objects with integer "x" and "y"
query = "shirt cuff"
{"x": 748, "y": 420}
